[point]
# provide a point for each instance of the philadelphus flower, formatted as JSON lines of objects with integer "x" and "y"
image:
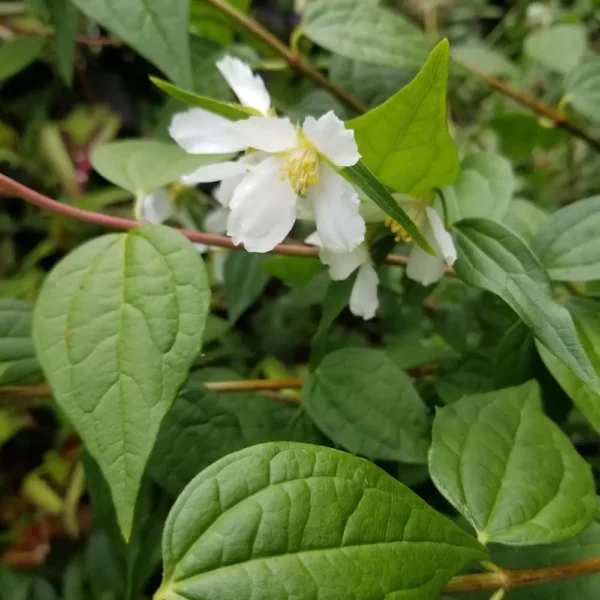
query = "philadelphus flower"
{"x": 263, "y": 189}
{"x": 363, "y": 298}
{"x": 422, "y": 266}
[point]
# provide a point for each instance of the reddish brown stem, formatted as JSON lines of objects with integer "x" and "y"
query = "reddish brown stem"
{"x": 80, "y": 39}
{"x": 210, "y": 239}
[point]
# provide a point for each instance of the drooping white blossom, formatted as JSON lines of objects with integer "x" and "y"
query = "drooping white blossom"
{"x": 363, "y": 298}
{"x": 284, "y": 164}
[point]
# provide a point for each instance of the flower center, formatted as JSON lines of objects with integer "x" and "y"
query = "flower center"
{"x": 302, "y": 166}
{"x": 416, "y": 212}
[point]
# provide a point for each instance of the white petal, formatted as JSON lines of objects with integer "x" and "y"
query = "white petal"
{"x": 201, "y": 132}
{"x": 215, "y": 172}
{"x": 249, "y": 88}
{"x": 216, "y": 220}
{"x": 444, "y": 244}
{"x": 331, "y": 138}
{"x": 157, "y": 206}
{"x": 263, "y": 208}
{"x": 423, "y": 267}
{"x": 343, "y": 265}
{"x": 314, "y": 240}
{"x": 274, "y": 134}
{"x": 363, "y": 299}
{"x": 223, "y": 193}
{"x": 336, "y": 207}
{"x": 219, "y": 258}
{"x": 202, "y": 248}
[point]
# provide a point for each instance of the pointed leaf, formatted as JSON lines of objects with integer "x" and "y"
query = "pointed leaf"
{"x": 405, "y": 141}
{"x": 493, "y": 258}
{"x": 367, "y": 404}
{"x": 18, "y": 54}
{"x": 295, "y": 522}
{"x": 157, "y": 29}
{"x": 559, "y": 47}
{"x": 510, "y": 470}
{"x": 64, "y": 17}
{"x": 116, "y": 327}
{"x": 583, "y": 86}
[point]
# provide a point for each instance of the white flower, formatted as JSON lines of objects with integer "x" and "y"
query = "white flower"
{"x": 422, "y": 266}
{"x": 363, "y": 298}
{"x": 291, "y": 164}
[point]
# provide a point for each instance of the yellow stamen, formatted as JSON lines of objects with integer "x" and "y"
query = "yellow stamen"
{"x": 302, "y": 166}
{"x": 416, "y": 212}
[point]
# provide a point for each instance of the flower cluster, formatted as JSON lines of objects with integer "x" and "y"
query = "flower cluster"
{"x": 288, "y": 172}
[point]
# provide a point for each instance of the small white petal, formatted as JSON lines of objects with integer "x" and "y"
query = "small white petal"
{"x": 215, "y": 172}
{"x": 219, "y": 258}
{"x": 249, "y": 88}
{"x": 331, "y": 138}
{"x": 270, "y": 134}
{"x": 202, "y": 248}
{"x": 223, "y": 193}
{"x": 343, "y": 265}
{"x": 216, "y": 220}
{"x": 363, "y": 298}
{"x": 263, "y": 208}
{"x": 444, "y": 244}
{"x": 201, "y": 132}
{"x": 336, "y": 207}
{"x": 157, "y": 206}
{"x": 423, "y": 267}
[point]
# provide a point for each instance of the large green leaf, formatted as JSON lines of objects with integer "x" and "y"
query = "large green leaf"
{"x": 64, "y": 16}
{"x": 568, "y": 243}
{"x": 245, "y": 280}
{"x": 484, "y": 59}
{"x": 142, "y": 166}
{"x": 363, "y": 30}
{"x": 587, "y": 320}
{"x": 583, "y": 87}
{"x": 493, "y": 258}
{"x": 525, "y": 219}
{"x": 510, "y": 470}
{"x": 157, "y": 29}
{"x": 484, "y": 188}
{"x": 204, "y": 426}
{"x": 17, "y": 354}
{"x": 559, "y": 47}
{"x": 16, "y": 55}
{"x": 405, "y": 141}
{"x": 366, "y": 403}
{"x": 116, "y": 327}
{"x": 210, "y": 23}
{"x": 285, "y": 521}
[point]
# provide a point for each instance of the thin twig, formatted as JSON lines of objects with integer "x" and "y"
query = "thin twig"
{"x": 296, "y": 60}
{"x": 507, "y": 579}
{"x": 210, "y": 239}
{"x": 521, "y": 97}
{"x": 84, "y": 40}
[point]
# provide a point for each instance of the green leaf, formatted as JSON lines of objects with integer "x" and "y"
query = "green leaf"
{"x": 583, "y": 89}
{"x": 18, "y": 54}
{"x": 362, "y": 176}
{"x": 363, "y": 30}
{"x": 366, "y": 403}
{"x": 213, "y": 424}
{"x": 210, "y": 23}
{"x": 142, "y": 166}
{"x": 568, "y": 243}
{"x": 116, "y": 327}
{"x": 157, "y": 29}
{"x": 484, "y": 59}
{"x": 64, "y": 17}
{"x": 405, "y": 141}
{"x": 245, "y": 280}
{"x": 229, "y": 111}
{"x": 294, "y": 521}
{"x": 18, "y": 362}
{"x": 559, "y": 47}
{"x": 510, "y": 470}
{"x": 584, "y": 547}
{"x": 587, "y": 320}
{"x": 515, "y": 356}
{"x": 336, "y": 299}
{"x": 484, "y": 188}
{"x": 525, "y": 219}
{"x": 296, "y": 270}
{"x": 493, "y": 258}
